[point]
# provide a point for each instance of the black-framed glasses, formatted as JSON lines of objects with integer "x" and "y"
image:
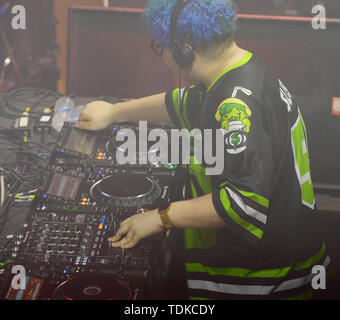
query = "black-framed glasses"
{"x": 157, "y": 49}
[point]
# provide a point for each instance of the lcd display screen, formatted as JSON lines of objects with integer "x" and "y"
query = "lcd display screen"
{"x": 65, "y": 187}
{"x": 80, "y": 141}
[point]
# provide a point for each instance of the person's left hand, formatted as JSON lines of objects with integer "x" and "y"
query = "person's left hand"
{"x": 136, "y": 228}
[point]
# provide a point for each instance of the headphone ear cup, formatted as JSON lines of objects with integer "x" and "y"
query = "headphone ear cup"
{"x": 183, "y": 56}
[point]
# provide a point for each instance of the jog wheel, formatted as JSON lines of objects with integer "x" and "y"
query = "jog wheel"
{"x": 93, "y": 287}
{"x": 126, "y": 190}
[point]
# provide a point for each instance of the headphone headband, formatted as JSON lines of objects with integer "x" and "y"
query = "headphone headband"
{"x": 182, "y": 52}
{"x": 181, "y": 4}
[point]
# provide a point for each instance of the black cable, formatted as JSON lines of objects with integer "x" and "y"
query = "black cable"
{"x": 23, "y": 166}
{"x": 26, "y": 172}
{"x": 4, "y": 209}
{"x": 26, "y": 97}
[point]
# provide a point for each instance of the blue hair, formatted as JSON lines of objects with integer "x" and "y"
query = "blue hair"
{"x": 202, "y": 21}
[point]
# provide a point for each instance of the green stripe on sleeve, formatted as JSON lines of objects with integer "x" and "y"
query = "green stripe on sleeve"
{"x": 264, "y": 202}
{"x": 258, "y": 233}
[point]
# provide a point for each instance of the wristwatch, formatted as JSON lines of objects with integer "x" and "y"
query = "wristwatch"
{"x": 163, "y": 210}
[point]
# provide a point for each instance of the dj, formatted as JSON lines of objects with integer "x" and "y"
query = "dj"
{"x": 248, "y": 232}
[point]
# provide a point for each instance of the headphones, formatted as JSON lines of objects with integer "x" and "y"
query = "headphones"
{"x": 182, "y": 52}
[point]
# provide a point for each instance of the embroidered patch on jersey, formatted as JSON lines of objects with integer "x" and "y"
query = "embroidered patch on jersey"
{"x": 233, "y": 115}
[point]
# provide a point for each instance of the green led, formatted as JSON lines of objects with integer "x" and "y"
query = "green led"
{"x": 66, "y": 207}
{"x": 171, "y": 166}
{"x": 83, "y": 161}
{"x": 94, "y": 220}
{"x": 74, "y": 208}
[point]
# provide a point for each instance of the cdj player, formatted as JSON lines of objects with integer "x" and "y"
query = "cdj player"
{"x": 100, "y": 149}
{"x": 99, "y": 188}
{"x": 83, "y": 199}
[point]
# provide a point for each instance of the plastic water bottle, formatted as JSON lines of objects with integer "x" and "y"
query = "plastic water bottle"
{"x": 77, "y": 112}
{"x": 65, "y": 111}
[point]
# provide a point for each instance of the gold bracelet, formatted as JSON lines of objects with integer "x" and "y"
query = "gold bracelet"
{"x": 164, "y": 215}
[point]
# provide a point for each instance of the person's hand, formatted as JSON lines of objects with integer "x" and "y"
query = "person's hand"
{"x": 97, "y": 115}
{"x": 136, "y": 228}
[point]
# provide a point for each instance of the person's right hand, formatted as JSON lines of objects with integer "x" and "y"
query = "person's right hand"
{"x": 97, "y": 115}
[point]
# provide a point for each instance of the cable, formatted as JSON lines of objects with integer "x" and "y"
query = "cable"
{"x": 23, "y": 163}
{"x": 2, "y": 189}
{"x": 23, "y": 166}
{"x": 4, "y": 211}
{"x": 14, "y": 102}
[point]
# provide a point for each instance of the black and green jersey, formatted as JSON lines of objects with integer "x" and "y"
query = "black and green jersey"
{"x": 264, "y": 195}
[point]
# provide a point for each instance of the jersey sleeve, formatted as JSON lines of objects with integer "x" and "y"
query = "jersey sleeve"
{"x": 241, "y": 193}
{"x": 182, "y": 105}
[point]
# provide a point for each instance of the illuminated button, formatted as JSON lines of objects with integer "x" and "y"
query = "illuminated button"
{"x": 84, "y": 200}
{"x": 171, "y": 166}
{"x": 74, "y": 208}
{"x": 100, "y": 226}
{"x": 66, "y": 207}
{"x": 83, "y": 203}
